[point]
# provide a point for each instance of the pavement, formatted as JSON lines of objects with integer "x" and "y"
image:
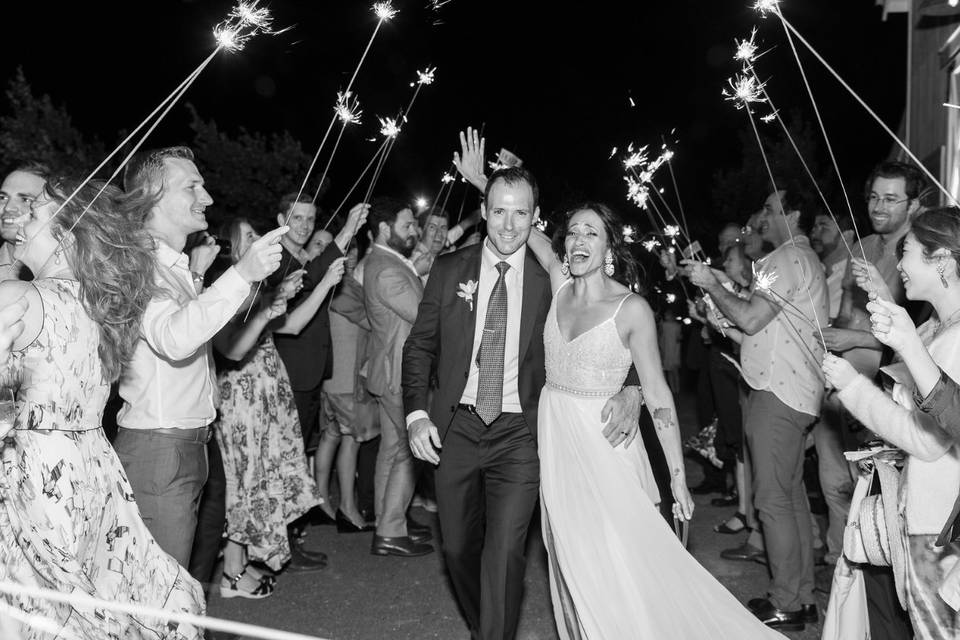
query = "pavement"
{"x": 364, "y": 597}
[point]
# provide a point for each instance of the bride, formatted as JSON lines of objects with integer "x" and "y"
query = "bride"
{"x": 617, "y": 570}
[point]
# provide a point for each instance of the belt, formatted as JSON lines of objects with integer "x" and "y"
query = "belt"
{"x": 201, "y": 435}
{"x": 469, "y": 408}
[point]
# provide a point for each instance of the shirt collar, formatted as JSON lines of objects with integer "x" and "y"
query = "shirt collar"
{"x": 168, "y": 257}
{"x": 516, "y": 259}
{"x": 396, "y": 253}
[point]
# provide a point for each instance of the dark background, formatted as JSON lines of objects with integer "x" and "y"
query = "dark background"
{"x": 551, "y": 81}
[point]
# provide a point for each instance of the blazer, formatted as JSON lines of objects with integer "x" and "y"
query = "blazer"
{"x": 307, "y": 355}
{"x": 391, "y": 295}
{"x": 443, "y": 333}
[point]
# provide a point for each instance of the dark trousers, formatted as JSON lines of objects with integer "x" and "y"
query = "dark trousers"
{"x": 658, "y": 463}
{"x": 366, "y": 471}
{"x": 488, "y": 481}
{"x": 211, "y": 518}
{"x": 725, "y": 385}
{"x": 308, "y": 411}
{"x": 888, "y": 621}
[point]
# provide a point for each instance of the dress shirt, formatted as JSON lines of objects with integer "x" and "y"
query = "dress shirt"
{"x": 170, "y": 381}
{"x": 883, "y": 254}
{"x": 784, "y": 356}
{"x": 835, "y": 266}
{"x": 511, "y": 350}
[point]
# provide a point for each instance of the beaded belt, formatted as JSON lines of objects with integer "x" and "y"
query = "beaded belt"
{"x": 582, "y": 392}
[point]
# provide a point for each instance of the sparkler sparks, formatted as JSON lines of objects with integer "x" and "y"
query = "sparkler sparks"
{"x": 766, "y": 6}
{"x": 388, "y": 127}
{"x": 763, "y": 280}
{"x": 541, "y": 224}
{"x": 747, "y": 49}
{"x": 770, "y": 117}
{"x": 637, "y": 192}
{"x": 651, "y": 244}
{"x": 671, "y": 298}
{"x": 384, "y": 10}
{"x": 243, "y": 22}
{"x": 671, "y": 231}
{"x": 447, "y": 177}
{"x": 629, "y": 234}
{"x": 744, "y": 89}
{"x": 347, "y": 111}
{"x": 425, "y": 76}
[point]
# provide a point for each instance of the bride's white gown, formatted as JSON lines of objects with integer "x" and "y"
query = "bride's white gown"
{"x": 617, "y": 570}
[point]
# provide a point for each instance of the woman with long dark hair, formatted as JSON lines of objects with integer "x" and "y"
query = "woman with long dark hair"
{"x": 617, "y": 570}
{"x": 68, "y": 519}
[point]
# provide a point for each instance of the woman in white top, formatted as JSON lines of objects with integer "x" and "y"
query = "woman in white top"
{"x": 931, "y": 477}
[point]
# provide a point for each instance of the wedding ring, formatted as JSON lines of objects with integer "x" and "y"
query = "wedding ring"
{"x": 626, "y": 433}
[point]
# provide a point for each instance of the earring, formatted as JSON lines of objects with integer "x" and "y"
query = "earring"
{"x": 940, "y": 270}
{"x": 608, "y": 265}
{"x": 565, "y": 266}
{"x": 57, "y": 253}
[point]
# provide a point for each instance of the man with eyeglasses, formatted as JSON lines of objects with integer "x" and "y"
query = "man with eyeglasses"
{"x": 893, "y": 197}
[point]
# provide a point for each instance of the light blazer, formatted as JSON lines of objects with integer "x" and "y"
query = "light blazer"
{"x": 391, "y": 295}
{"x": 442, "y": 337}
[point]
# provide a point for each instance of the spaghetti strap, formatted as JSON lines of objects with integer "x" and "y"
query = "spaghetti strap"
{"x": 562, "y": 285}
{"x": 622, "y": 300}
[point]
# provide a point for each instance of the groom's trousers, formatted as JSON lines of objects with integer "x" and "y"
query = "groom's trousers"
{"x": 488, "y": 481}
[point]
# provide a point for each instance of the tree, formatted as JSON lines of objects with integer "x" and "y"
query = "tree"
{"x": 33, "y": 128}
{"x": 247, "y": 174}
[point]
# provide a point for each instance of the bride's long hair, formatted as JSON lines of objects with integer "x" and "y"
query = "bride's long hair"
{"x": 626, "y": 270}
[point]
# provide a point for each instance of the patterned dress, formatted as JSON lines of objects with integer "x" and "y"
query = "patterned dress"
{"x": 68, "y": 520}
{"x": 268, "y": 483}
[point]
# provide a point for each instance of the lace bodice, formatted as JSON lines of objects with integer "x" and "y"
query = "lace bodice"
{"x": 61, "y": 383}
{"x": 594, "y": 363}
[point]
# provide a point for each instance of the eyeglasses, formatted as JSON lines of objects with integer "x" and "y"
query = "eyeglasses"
{"x": 886, "y": 202}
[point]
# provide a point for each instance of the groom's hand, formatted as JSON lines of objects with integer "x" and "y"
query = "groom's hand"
{"x": 621, "y": 414}
{"x": 424, "y": 440}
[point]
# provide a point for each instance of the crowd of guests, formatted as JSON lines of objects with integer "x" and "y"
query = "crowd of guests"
{"x": 812, "y": 345}
{"x": 254, "y": 369}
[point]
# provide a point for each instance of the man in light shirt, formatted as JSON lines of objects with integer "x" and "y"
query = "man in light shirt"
{"x": 169, "y": 387}
{"x": 780, "y": 357}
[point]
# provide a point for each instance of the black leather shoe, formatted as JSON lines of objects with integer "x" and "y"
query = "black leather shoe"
{"x": 420, "y": 538}
{"x": 345, "y": 525}
{"x": 777, "y": 618}
{"x": 414, "y": 527}
{"x": 318, "y": 517}
{"x": 746, "y": 551}
{"x": 810, "y": 615}
{"x": 401, "y": 546}
{"x": 302, "y": 561}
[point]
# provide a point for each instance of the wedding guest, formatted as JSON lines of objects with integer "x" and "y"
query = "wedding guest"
{"x": 831, "y": 239}
{"x": 434, "y": 224}
{"x": 349, "y": 415}
{"x": 168, "y": 387}
{"x": 268, "y": 482}
{"x": 779, "y": 358}
{"x": 392, "y": 291}
{"x": 70, "y": 522}
{"x": 19, "y": 191}
{"x": 931, "y": 477}
{"x": 319, "y": 241}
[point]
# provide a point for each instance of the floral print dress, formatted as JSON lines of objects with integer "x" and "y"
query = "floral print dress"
{"x": 68, "y": 519}
{"x": 268, "y": 483}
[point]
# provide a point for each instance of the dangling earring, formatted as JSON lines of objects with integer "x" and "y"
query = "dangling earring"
{"x": 565, "y": 266}
{"x": 940, "y": 270}
{"x": 608, "y": 265}
{"x": 57, "y": 253}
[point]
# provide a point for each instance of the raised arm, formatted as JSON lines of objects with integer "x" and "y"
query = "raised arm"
{"x": 749, "y": 314}
{"x": 296, "y": 320}
{"x": 638, "y": 327}
{"x": 237, "y": 338}
{"x": 469, "y": 162}
{"x": 542, "y": 249}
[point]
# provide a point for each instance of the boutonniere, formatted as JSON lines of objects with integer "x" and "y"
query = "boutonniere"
{"x": 467, "y": 290}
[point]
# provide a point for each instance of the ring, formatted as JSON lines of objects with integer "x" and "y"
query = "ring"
{"x": 626, "y": 433}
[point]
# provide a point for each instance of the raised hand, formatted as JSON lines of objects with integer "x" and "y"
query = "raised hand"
{"x": 334, "y": 273}
{"x": 700, "y": 274}
{"x": 291, "y": 284}
{"x": 891, "y": 325}
{"x": 869, "y": 279}
{"x": 263, "y": 256}
{"x": 204, "y": 254}
{"x": 469, "y": 162}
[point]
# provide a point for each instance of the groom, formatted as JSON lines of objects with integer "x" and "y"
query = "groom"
{"x": 480, "y": 329}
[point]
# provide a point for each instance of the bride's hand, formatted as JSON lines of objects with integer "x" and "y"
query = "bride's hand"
{"x": 682, "y": 500}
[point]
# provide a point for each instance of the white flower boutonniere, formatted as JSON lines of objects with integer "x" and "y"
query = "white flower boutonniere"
{"x": 467, "y": 290}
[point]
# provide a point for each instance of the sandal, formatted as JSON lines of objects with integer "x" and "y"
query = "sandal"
{"x": 260, "y": 572}
{"x": 723, "y": 527}
{"x": 232, "y": 588}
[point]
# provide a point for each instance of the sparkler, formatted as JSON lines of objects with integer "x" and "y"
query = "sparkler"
{"x": 541, "y": 224}
{"x": 629, "y": 234}
{"x": 763, "y": 280}
{"x": 744, "y": 89}
{"x": 747, "y": 49}
{"x": 348, "y": 112}
{"x": 651, "y": 245}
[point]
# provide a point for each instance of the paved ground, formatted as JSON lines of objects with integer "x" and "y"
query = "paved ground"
{"x": 365, "y": 597}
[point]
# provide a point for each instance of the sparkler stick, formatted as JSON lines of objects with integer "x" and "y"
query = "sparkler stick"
{"x": 676, "y": 189}
{"x": 376, "y": 156}
{"x": 348, "y": 114}
{"x": 789, "y": 29}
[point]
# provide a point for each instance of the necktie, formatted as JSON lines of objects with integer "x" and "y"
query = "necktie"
{"x": 490, "y": 355}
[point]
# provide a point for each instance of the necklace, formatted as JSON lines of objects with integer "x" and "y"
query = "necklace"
{"x": 943, "y": 325}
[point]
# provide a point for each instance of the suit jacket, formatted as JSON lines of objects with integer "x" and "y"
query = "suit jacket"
{"x": 391, "y": 294}
{"x": 443, "y": 337}
{"x": 307, "y": 355}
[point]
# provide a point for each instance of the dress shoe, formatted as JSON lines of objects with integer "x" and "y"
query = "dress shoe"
{"x": 345, "y": 525}
{"x": 401, "y": 546}
{"x": 777, "y": 618}
{"x": 414, "y": 527}
{"x": 809, "y": 612}
{"x": 420, "y": 538}
{"x": 302, "y": 561}
{"x": 746, "y": 551}
{"x": 318, "y": 517}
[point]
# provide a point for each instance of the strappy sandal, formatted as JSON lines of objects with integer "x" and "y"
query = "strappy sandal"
{"x": 723, "y": 527}
{"x": 260, "y": 572}
{"x": 231, "y": 589}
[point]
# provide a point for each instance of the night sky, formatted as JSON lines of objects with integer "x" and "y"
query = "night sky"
{"x": 549, "y": 80}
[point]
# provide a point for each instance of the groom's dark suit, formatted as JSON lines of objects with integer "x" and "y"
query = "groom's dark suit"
{"x": 488, "y": 476}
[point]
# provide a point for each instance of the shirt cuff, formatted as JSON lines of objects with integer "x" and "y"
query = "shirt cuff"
{"x": 935, "y": 402}
{"x": 232, "y": 285}
{"x": 413, "y": 416}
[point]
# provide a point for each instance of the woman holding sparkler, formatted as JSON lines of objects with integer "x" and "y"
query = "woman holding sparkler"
{"x": 68, "y": 519}
{"x": 604, "y": 582}
{"x": 929, "y": 269}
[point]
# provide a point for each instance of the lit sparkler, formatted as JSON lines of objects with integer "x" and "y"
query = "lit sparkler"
{"x": 763, "y": 280}
{"x": 629, "y": 234}
{"x": 767, "y": 6}
{"x": 744, "y": 89}
{"x": 770, "y": 117}
{"x": 747, "y": 49}
{"x": 671, "y": 231}
{"x": 447, "y": 177}
{"x": 384, "y": 10}
{"x": 671, "y": 298}
{"x": 388, "y": 127}
{"x": 651, "y": 244}
{"x": 244, "y": 22}
{"x": 346, "y": 110}
{"x": 425, "y": 76}
{"x": 637, "y": 192}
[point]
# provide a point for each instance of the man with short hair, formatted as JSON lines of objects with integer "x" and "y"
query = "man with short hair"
{"x": 433, "y": 237}
{"x": 831, "y": 239}
{"x": 392, "y": 293}
{"x": 780, "y": 358}
{"x": 20, "y": 189}
{"x": 169, "y": 387}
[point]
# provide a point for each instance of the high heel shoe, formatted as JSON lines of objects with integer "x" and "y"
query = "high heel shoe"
{"x": 232, "y": 587}
{"x": 345, "y": 525}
